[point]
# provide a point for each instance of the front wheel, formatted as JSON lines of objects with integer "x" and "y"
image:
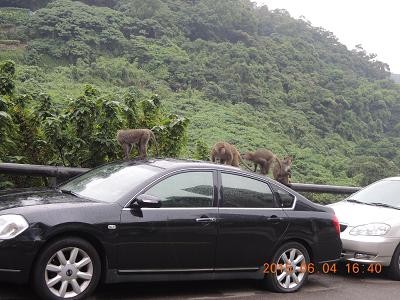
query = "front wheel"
{"x": 394, "y": 269}
{"x": 67, "y": 269}
{"x": 292, "y": 261}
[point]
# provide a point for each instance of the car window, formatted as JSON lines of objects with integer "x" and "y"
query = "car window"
{"x": 239, "y": 191}
{"x": 190, "y": 189}
{"x": 284, "y": 198}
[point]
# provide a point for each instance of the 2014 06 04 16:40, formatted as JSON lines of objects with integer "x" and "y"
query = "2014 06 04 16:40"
{"x": 326, "y": 268}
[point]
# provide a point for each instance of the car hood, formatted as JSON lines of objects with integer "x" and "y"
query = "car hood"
{"x": 31, "y": 197}
{"x": 354, "y": 214}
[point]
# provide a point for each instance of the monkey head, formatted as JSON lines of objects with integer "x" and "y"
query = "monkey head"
{"x": 287, "y": 164}
{"x": 218, "y": 159}
{"x": 247, "y": 155}
{"x": 288, "y": 160}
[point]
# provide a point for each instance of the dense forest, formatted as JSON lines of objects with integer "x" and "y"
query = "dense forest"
{"x": 198, "y": 71}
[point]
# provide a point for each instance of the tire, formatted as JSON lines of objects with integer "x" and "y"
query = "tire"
{"x": 55, "y": 278}
{"x": 290, "y": 268}
{"x": 394, "y": 268}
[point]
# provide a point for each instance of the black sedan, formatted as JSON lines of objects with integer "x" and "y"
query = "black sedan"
{"x": 162, "y": 220}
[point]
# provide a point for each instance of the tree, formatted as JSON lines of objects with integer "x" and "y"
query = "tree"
{"x": 31, "y": 4}
{"x": 7, "y": 74}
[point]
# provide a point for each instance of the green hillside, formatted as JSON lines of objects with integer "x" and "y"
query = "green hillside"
{"x": 237, "y": 72}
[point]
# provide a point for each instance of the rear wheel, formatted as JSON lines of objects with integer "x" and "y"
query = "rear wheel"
{"x": 67, "y": 269}
{"x": 292, "y": 261}
{"x": 394, "y": 269}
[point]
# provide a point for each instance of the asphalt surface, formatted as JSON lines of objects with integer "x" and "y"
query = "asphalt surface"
{"x": 320, "y": 286}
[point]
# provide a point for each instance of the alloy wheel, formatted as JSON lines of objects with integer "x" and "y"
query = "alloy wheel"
{"x": 69, "y": 272}
{"x": 291, "y": 268}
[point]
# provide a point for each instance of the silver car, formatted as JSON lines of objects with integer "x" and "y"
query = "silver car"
{"x": 370, "y": 225}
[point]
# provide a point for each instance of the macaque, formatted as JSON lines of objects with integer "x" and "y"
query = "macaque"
{"x": 282, "y": 170}
{"x": 262, "y": 157}
{"x": 225, "y": 153}
{"x": 141, "y": 137}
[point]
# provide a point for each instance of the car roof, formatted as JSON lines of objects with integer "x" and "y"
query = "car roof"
{"x": 172, "y": 163}
{"x": 397, "y": 178}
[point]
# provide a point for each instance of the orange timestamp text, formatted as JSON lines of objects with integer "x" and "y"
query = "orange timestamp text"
{"x": 325, "y": 268}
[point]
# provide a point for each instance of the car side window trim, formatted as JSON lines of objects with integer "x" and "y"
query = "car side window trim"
{"x": 170, "y": 174}
{"x": 284, "y": 189}
{"x": 272, "y": 185}
{"x": 255, "y": 177}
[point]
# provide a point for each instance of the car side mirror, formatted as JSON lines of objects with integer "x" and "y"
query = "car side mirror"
{"x": 149, "y": 201}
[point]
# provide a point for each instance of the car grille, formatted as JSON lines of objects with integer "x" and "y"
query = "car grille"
{"x": 343, "y": 227}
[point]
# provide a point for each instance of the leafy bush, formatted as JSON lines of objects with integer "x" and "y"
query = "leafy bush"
{"x": 239, "y": 73}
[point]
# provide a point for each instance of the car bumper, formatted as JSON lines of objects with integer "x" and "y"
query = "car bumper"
{"x": 16, "y": 260}
{"x": 368, "y": 249}
{"x": 13, "y": 276}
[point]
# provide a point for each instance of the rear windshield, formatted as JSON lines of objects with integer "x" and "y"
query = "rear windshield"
{"x": 111, "y": 182}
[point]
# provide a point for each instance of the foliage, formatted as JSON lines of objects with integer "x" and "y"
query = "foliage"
{"x": 7, "y": 73}
{"x": 81, "y": 133}
{"x": 202, "y": 151}
{"x": 238, "y": 72}
{"x": 31, "y": 4}
{"x": 13, "y": 16}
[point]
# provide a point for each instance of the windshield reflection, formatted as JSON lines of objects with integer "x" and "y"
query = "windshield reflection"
{"x": 111, "y": 182}
{"x": 383, "y": 193}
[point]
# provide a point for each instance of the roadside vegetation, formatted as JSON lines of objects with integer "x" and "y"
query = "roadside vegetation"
{"x": 73, "y": 72}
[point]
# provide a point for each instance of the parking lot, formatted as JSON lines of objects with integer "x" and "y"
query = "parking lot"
{"x": 339, "y": 286}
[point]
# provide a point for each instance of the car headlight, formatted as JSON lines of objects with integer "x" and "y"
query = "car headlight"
{"x": 11, "y": 226}
{"x": 371, "y": 229}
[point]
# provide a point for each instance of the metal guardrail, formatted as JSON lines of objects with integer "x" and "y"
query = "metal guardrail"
{"x": 40, "y": 170}
{"x": 322, "y": 188}
{"x": 55, "y": 174}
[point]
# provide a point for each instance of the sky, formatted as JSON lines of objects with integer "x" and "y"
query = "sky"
{"x": 373, "y": 24}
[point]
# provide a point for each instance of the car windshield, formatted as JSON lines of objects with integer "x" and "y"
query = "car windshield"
{"x": 111, "y": 182}
{"x": 382, "y": 193}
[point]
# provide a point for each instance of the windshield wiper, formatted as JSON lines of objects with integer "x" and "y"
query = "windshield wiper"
{"x": 384, "y": 205}
{"x": 356, "y": 201}
{"x": 69, "y": 192}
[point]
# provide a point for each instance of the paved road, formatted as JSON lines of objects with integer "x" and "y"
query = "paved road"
{"x": 319, "y": 287}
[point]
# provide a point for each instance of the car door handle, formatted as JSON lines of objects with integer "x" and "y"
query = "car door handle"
{"x": 206, "y": 220}
{"x": 274, "y": 219}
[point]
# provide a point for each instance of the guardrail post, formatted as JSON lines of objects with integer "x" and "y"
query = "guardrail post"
{"x": 52, "y": 181}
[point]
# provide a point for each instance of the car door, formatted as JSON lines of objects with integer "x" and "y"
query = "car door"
{"x": 179, "y": 235}
{"x": 250, "y": 223}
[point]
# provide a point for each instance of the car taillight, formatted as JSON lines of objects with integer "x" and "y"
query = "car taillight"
{"x": 335, "y": 223}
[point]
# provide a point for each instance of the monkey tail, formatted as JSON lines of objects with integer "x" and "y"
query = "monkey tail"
{"x": 117, "y": 137}
{"x": 278, "y": 160}
{"x": 153, "y": 137}
{"x": 245, "y": 164}
{"x": 280, "y": 167}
